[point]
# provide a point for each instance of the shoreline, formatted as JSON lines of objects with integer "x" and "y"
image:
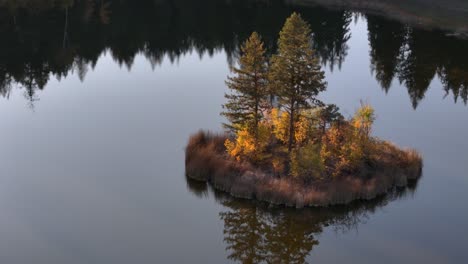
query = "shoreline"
{"x": 206, "y": 162}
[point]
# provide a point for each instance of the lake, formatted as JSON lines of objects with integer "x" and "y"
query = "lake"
{"x": 99, "y": 98}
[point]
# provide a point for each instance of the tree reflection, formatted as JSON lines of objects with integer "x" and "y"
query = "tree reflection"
{"x": 453, "y": 70}
{"x": 385, "y": 48}
{"x": 417, "y": 66}
{"x": 257, "y": 233}
{"x": 415, "y": 57}
{"x": 57, "y": 37}
{"x": 42, "y": 39}
{"x": 331, "y": 35}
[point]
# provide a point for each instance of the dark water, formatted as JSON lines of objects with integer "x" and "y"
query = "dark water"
{"x": 99, "y": 99}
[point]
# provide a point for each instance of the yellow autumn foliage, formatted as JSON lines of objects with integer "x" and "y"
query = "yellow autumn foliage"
{"x": 364, "y": 119}
{"x": 245, "y": 146}
{"x": 302, "y": 129}
{"x": 342, "y": 149}
{"x": 280, "y": 122}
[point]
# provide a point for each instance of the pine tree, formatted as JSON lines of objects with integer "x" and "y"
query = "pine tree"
{"x": 249, "y": 93}
{"x": 295, "y": 73}
{"x": 328, "y": 115}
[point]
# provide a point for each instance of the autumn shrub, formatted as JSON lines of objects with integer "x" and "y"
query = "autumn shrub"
{"x": 247, "y": 146}
{"x": 341, "y": 150}
{"x": 306, "y": 163}
{"x": 280, "y": 124}
{"x": 347, "y": 146}
{"x": 364, "y": 119}
{"x": 304, "y": 127}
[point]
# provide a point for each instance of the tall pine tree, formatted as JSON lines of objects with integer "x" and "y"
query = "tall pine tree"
{"x": 295, "y": 72}
{"x": 249, "y": 91}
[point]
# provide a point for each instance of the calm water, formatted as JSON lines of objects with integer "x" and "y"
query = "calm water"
{"x": 98, "y": 101}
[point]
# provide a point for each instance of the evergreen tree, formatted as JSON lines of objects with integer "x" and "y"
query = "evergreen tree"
{"x": 249, "y": 94}
{"x": 295, "y": 72}
{"x": 327, "y": 115}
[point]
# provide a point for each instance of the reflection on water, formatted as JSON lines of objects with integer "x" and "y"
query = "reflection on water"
{"x": 257, "y": 233}
{"x": 415, "y": 57}
{"x": 44, "y": 39}
{"x": 450, "y": 15}
{"x": 95, "y": 175}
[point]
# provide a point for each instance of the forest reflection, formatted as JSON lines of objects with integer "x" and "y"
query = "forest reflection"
{"x": 45, "y": 38}
{"x": 257, "y": 233}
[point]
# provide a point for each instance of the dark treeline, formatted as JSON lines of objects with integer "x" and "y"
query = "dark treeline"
{"x": 257, "y": 233}
{"x": 415, "y": 57}
{"x": 447, "y": 15}
{"x": 46, "y": 38}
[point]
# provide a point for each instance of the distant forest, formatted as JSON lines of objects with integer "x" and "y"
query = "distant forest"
{"x": 48, "y": 38}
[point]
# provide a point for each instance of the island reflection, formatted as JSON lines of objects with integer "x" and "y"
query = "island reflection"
{"x": 44, "y": 39}
{"x": 255, "y": 232}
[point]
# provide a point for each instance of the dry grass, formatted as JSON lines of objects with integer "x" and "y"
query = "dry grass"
{"x": 206, "y": 161}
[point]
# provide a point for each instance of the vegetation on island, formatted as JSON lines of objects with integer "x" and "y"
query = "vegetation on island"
{"x": 284, "y": 144}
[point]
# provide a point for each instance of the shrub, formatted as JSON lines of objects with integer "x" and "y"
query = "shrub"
{"x": 304, "y": 126}
{"x": 306, "y": 162}
{"x": 364, "y": 119}
{"x": 245, "y": 147}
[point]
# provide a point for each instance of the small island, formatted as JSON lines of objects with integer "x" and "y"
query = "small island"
{"x": 286, "y": 147}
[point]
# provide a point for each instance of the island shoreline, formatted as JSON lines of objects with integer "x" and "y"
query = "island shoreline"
{"x": 207, "y": 161}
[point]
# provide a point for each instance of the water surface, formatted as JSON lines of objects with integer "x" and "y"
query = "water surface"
{"x": 98, "y": 101}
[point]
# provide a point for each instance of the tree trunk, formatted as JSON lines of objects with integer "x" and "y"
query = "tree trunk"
{"x": 256, "y": 120}
{"x": 324, "y": 127}
{"x": 291, "y": 128}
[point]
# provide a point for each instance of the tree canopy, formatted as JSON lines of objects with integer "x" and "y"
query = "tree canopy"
{"x": 295, "y": 73}
{"x": 249, "y": 91}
